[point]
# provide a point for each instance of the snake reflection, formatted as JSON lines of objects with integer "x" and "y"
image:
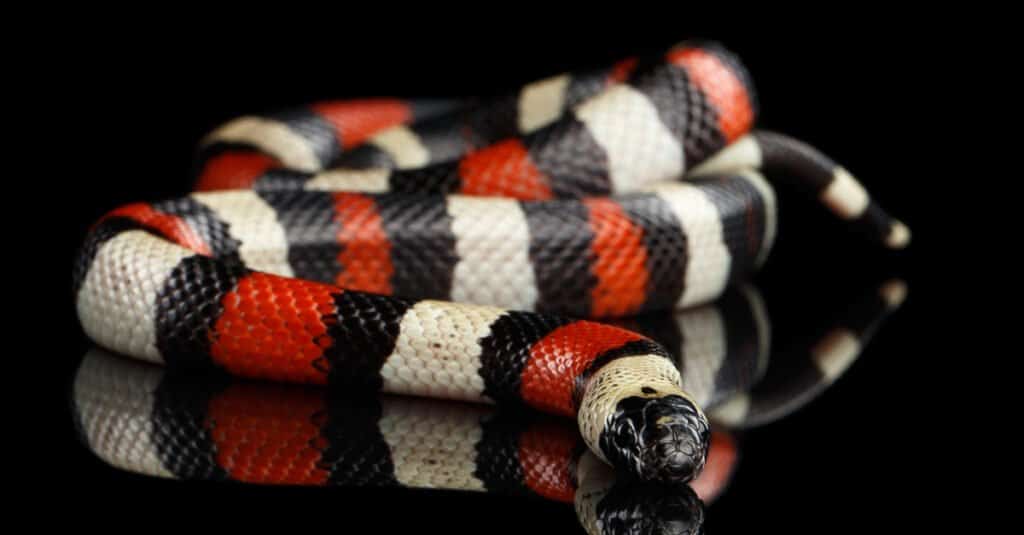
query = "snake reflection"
{"x": 138, "y": 418}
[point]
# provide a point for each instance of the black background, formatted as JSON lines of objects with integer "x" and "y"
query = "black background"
{"x": 858, "y": 454}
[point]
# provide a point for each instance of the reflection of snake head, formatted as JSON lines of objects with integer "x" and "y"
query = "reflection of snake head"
{"x": 607, "y": 503}
{"x": 649, "y": 508}
{"x": 661, "y": 438}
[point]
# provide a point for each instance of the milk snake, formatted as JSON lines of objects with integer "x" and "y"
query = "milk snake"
{"x": 140, "y": 418}
{"x": 337, "y": 229}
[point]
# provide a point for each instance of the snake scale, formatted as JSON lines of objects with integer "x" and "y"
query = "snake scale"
{"x": 442, "y": 249}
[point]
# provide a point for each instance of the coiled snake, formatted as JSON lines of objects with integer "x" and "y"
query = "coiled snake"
{"x": 341, "y": 231}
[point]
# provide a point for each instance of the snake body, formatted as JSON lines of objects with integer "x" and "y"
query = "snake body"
{"x": 144, "y": 419}
{"x": 560, "y": 198}
{"x": 148, "y": 420}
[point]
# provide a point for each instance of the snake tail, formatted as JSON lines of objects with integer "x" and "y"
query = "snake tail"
{"x": 815, "y": 174}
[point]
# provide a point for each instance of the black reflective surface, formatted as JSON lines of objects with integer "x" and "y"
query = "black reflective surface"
{"x": 857, "y": 447}
{"x": 140, "y": 420}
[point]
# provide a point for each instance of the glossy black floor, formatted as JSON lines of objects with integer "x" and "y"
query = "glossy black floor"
{"x": 855, "y": 451}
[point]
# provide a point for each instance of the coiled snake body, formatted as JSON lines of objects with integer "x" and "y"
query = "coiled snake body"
{"x": 339, "y": 235}
{"x": 144, "y": 419}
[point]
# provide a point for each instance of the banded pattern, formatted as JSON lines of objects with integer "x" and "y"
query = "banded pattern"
{"x": 308, "y": 139}
{"x": 261, "y": 325}
{"x": 189, "y": 310}
{"x": 141, "y": 419}
{"x": 817, "y": 175}
{"x": 676, "y": 245}
{"x": 207, "y": 281}
{"x": 596, "y": 133}
{"x": 449, "y": 137}
{"x": 721, "y": 349}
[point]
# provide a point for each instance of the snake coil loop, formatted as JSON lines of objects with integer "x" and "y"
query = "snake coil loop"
{"x": 328, "y": 243}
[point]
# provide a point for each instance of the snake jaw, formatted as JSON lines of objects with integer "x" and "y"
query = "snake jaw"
{"x": 662, "y": 439}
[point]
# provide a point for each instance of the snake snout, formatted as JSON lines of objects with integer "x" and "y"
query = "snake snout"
{"x": 677, "y": 454}
{"x": 679, "y": 466}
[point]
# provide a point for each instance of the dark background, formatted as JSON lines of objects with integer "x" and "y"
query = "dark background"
{"x": 865, "y": 97}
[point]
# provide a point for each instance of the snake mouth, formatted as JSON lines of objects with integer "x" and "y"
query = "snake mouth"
{"x": 663, "y": 439}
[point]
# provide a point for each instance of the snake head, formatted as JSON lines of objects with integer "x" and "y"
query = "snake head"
{"x": 663, "y": 438}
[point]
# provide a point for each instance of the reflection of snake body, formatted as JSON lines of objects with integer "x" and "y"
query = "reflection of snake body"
{"x": 206, "y": 281}
{"x": 801, "y": 374}
{"x": 137, "y": 419}
{"x": 141, "y": 419}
